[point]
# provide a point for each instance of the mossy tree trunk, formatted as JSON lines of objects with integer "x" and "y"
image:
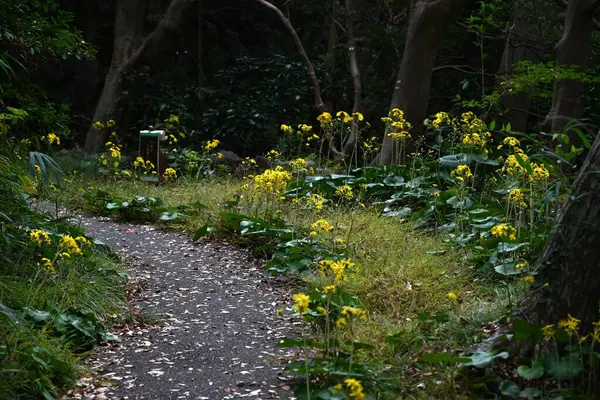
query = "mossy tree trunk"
{"x": 569, "y": 263}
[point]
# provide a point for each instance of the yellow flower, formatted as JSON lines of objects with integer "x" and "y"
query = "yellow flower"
{"x": 341, "y": 323}
{"x": 98, "y": 125}
{"x": 474, "y": 139}
{"x": 170, "y": 174}
{"x": 343, "y": 116}
{"x": 302, "y": 302}
{"x": 441, "y": 118}
{"x": 321, "y": 310}
{"x": 47, "y": 265}
{"x": 452, "y": 296}
{"x": 83, "y": 241}
{"x": 52, "y": 138}
{"x": 69, "y": 245}
{"x": 325, "y": 119}
{"x": 322, "y": 225}
{"x": 358, "y": 116}
{"x": 219, "y": 155}
{"x": 211, "y": 145}
{"x": 520, "y": 266}
{"x": 345, "y": 192}
{"x": 110, "y": 123}
{"x": 316, "y": 201}
{"x": 37, "y": 168}
{"x": 462, "y": 173}
{"x": 272, "y": 181}
{"x": 305, "y": 128}
{"x": 286, "y": 129}
{"x": 329, "y": 289}
{"x": 436, "y": 194}
{"x": 115, "y": 164}
{"x": 348, "y": 311}
{"x": 39, "y": 237}
{"x": 571, "y": 324}
{"x": 504, "y": 231}
{"x": 273, "y": 154}
{"x": 516, "y": 196}
{"x": 313, "y": 234}
{"x": 340, "y": 241}
{"x": 512, "y": 141}
{"x": 548, "y": 331}
{"x": 299, "y": 164}
{"x": 355, "y": 389}
{"x": 539, "y": 173}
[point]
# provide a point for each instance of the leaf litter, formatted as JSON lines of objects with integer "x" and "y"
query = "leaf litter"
{"x": 215, "y": 325}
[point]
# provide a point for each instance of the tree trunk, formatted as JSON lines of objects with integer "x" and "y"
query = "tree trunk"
{"x": 569, "y": 262}
{"x": 129, "y": 54}
{"x": 200, "y": 46}
{"x": 426, "y": 27}
{"x": 572, "y": 49}
{"x": 319, "y": 104}
{"x": 518, "y": 104}
{"x": 349, "y": 146}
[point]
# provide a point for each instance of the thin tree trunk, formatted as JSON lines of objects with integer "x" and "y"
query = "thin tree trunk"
{"x": 128, "y": 55}
{"x": 572, "y": 49}
{"x": 427, "y": 24}
{"x": 355, "y": 73}
{"x": 319, "y": 104}
{"x": 332, "y": 39}
{"x": 518, "y": 104}
{"x": 569, "y": 262}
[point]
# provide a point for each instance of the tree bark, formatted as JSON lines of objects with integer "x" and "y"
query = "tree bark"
{"x": 348, "y": 147}
{"x": 572, "y": 49}
{"x": 129, "y": 54}
{"x": 200, "y": 45}
{"x": 518, "y": 104}
{"x": 569, "y": 262}
{"x": 426, "y": 27}
{"x": 319, "y": 104}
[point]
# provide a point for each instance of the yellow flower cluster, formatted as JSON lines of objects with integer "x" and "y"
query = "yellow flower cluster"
{"x": 371, "y": 145}
{"x": 69, "y": 245}
{"x": 539, "y": 173}
{"x": 98, "y": 125}
{"x": 570, "y": 324}
{"x": 211, "y": 145}
{"x": 311, "y": 138}
{"x": 325, "y": 120}
{"x": 146, "y": 165}
{"x": 548, "y": 331}
{"x": 299, "y": 164}
{"x": 305, "y": 128}
{"x": 348, "y": 311}
{"x": 474, "y": 139}
{"x": 329, "y": 289}
{"x": 170, "y": 174}
{"x": 462, "y": 173}
{"x": 517, "y": 197}
{"x": 355, "y": 389}
{"x": 345, "y": 192}
{"x": 110, "y": 123}
{"x": 272, "y": 155}
{"x": 344, "y": 117}
{"x": 323, "y": 225}
{"x": 286, "y": 129}
{"x": 397, "y": 125}
{"x": 52, "y": 138}
{"x": 470, "y": 123}
{"x": 338, "y": 269}
{"x": 39, "y": 237}
{"x": 358, "y": 116}
{"x": 504, "y": 231}
{"x": 47, "y": 265}
{"x": 440, "y": 119}
{"x": 272, "y": 181}
{"x": 316, "y": 201}
{"x": 302, "y": 302}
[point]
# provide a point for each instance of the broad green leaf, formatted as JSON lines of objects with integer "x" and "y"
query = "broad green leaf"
{"x": 510, "y": 389}
{"x": 524, "y": 330}
{"x": 536, "y": 370}
{"x": 562, "y": 368}
{"x": 530, "y": 392}
{"x": 484, "y": 359}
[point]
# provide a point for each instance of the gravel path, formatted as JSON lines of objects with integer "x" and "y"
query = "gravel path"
{"x": 217, "y": 321}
